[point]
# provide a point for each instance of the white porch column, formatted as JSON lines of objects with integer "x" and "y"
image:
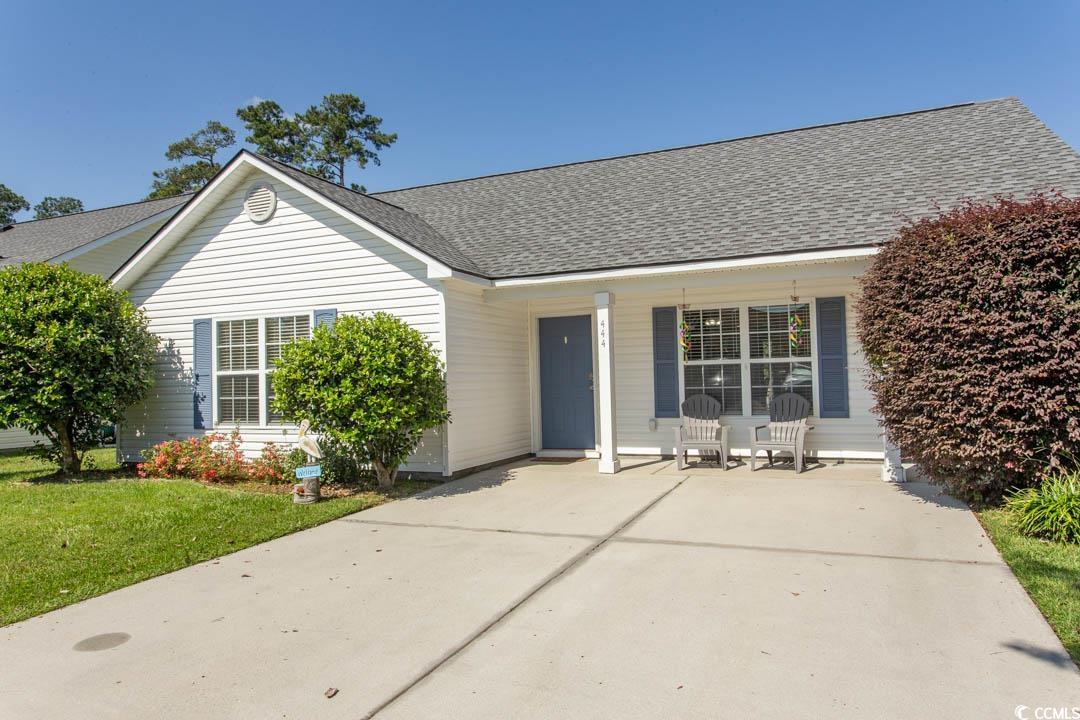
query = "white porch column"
{"x": 605, "y": 350}
{"x": 892, "y": 470}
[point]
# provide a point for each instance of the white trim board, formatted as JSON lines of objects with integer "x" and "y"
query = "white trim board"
{"x": 735, "y": 263}
{"x": 772, "y": 272}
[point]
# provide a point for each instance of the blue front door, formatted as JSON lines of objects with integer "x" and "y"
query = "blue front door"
{"x": 566, "y": 395}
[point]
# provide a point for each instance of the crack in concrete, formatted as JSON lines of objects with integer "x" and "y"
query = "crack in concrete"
{"x": 682, "y": 543}
{"x": 559, "y": 572}
{"x": 803, "y": 551}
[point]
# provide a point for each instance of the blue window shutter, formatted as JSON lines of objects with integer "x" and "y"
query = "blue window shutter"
{"x": 665, "y": 362}
{"x": 201, "y": 374}
{"x": 325, "y": 317}
{"x": 832, "y": 357}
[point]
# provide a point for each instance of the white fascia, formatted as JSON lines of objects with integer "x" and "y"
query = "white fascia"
{"x": 810, "y": 256}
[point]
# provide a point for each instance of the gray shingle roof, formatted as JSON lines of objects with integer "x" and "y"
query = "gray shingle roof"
{"x": 843, "y": 185}
{"x": 46, "y": 239}
{"x": 400, "y": 223}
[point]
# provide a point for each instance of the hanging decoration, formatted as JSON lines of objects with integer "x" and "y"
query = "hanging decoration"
{"x": 686, "y": 340}
{"x": 795, "y": 323}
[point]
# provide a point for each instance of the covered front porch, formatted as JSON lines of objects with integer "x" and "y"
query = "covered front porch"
{"x": 610, "y": 360}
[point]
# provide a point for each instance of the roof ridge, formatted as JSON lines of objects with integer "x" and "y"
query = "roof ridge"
{"x": 107, "y": 207}
{"x": 697, "y": 145}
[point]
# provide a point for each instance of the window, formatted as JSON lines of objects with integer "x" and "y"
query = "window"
{"x": 246, "y": 351}
{"x": 237, "y": 354}
{"x": 714, "y": 334}
{"x": 745, "y": 356}
{"x": 722, "y": 382}
{"x": 779, "y": 332}
{"x": 279, "y": 331}
{"x": 713, "y": 356}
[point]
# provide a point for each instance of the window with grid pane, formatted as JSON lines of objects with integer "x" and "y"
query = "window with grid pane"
{"x": 281, "y": 331}
{"x": 722, "y": 382}
{"x": 711, "y": 361}
{"x": 237, "y": 345}
{"x": 238, "y": 398}
{"x": 780, "y": 350}
{"x": 713, "y": 334}
{"x": 238, "y": 352}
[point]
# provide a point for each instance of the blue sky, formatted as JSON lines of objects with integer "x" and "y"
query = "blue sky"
{"x": 94, "y": 92}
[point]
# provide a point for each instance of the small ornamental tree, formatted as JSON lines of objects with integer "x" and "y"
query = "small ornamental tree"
{"x": 372, "y": 383}
{"x": 74, "y": 353}
{"x": 971, "y": 324}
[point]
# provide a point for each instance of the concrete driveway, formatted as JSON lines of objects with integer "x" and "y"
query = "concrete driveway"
{"x": 542, "y": 590}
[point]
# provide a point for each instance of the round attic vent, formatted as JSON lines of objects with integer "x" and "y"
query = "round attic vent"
{"x": 260, "y": 202}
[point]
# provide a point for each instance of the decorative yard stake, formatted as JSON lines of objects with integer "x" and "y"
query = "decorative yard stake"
{"x": 307, "y": 491}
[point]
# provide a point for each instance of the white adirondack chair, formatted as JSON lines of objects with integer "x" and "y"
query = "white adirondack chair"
{"x": 700, "y": 429}
{"x": 787, "y": 430}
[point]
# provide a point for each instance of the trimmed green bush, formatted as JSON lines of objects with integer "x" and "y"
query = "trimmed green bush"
{"x": 74, "y": 354}
{"x": 971, "y": 324}
{"x": 1050, "y": 511}
{"x": 371, "y": 383}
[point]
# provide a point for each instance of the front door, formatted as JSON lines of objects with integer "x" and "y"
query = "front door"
{"x": 566, "y": 387}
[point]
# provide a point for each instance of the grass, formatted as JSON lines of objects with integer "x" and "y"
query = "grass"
{"x": 62, "y": 542}
{"x": 1049, "y": 571}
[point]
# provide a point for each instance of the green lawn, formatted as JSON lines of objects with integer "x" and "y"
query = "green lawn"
{"x": 1050, "y": 572}
{"x": 61, "y": 542}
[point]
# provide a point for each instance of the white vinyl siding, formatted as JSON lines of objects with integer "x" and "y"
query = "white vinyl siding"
{"x": 487, "y": 378}
{"x": 15, "y": 438}
{"x": 306, "y": 257}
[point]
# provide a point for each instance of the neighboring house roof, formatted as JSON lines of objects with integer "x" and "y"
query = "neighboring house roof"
{"x": 843, "y": 185}
{"x": 47, "y": 239}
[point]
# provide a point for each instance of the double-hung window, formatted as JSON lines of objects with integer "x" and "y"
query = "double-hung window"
{"x": 780, "y": 353}
{"x": 745, "y": 355}
{"x": 246, "y": 351}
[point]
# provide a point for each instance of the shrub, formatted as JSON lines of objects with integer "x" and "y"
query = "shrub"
{"x": 206, "y": 458}
{"x": 219, "y": 458}
{"x": 271, "y": 466}
{"x": 371, "y": 383}
{"x": 971, "y": 324}
{"x": 1050, "y": 511}
{"x": 74, "y": 353}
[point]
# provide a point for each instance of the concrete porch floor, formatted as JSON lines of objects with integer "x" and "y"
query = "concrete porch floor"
{"x": 545, "y": 589}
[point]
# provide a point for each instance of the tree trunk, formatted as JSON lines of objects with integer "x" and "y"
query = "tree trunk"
{"x": 385, "y": 475}
{"x": 70, "y": 462}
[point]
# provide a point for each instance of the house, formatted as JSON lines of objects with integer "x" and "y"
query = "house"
{"x": 97, "y": 241}
{"x": 557, "y": 296}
